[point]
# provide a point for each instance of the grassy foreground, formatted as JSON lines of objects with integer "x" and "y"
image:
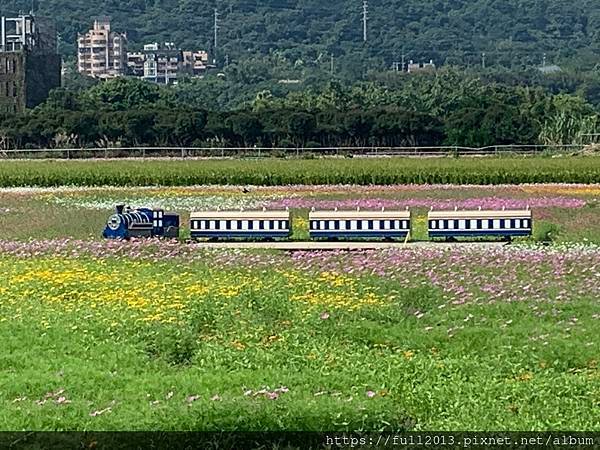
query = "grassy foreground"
{"x": 273, "y": 172}
{"x": 422, "y": 340}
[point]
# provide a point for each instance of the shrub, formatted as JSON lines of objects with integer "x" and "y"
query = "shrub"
{"x": 545, "y": 231}
{"x": 175, "y": 345}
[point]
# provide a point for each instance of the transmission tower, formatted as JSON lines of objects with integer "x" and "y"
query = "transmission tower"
{"x": 216, "y": 26}
{"x": 365, "y": 16}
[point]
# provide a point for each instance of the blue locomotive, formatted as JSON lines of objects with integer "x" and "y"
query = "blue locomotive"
{"x": 142, "y": 222}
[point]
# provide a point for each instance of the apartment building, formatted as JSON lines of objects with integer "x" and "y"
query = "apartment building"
{"x": 420, "y": 67}
{"x": 102, "y": 53}
{"x": 195, "y": 63}
{"x": 29, "y": 64}
{"x": 165, "y": 63}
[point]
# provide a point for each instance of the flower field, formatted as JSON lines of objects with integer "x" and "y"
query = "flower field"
{"x": 163, "y": 336}
{"x": 569, "y": 209}
{"x": 167, "y": 335}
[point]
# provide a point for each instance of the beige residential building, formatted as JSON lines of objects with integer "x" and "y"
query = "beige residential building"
{"x": 102, "y": 53}
{"x": 195, "y": 63}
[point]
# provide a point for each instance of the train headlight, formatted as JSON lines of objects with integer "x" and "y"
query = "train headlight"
{"x": 114, "y": 222}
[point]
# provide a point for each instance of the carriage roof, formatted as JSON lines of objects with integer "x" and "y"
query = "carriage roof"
{"x": 363, "y": 214}
{"x": 240, "y": 215}
{"x": 480, "y": 214}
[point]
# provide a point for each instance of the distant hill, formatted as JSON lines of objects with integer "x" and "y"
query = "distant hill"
{"x": 512, "y": 33}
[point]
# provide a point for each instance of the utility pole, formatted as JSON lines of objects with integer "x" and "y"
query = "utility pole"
{"x": 395, "y": 66}
{"x": 483, "y": 60}
{"x": 331, "y": 65}
{"x": 544, "y": 60}
{"x": 365, "y": 16}
{"x": 216, "y": 35}
{"x": 403, "y": 56}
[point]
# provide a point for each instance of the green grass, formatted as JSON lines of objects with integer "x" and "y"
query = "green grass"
{"x": 273, "y": 172}
{"x": 111, "y": 334}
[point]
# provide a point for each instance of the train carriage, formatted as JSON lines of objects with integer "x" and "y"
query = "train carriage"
{"x": 240, "y": 224}
{"x": 480, "y": 223}
{"x": 359, "y": 224}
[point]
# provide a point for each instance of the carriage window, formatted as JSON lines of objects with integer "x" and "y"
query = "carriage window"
{"x": 251, "y": 224}
{"x": 332, "y": 224}
{"x": 228, "y": 225}
{"x": 359, "y": 224}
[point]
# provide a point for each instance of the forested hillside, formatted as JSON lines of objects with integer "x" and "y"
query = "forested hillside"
{"x": 512, "y": 33}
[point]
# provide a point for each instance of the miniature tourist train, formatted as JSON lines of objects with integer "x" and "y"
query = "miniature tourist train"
{"x": 323, "y": 225}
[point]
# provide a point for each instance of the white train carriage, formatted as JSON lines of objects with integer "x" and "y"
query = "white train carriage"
{"x": 240, "y": 224}
{"x": 359, "y": 224}
{"x": 505, "y": 223}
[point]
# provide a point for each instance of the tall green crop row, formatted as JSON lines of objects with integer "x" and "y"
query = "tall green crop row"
{"x": 272, "y": 172}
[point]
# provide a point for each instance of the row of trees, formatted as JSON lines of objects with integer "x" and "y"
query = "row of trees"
{"x": 447, "y": 108}
{"x": 270, "y": 128}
